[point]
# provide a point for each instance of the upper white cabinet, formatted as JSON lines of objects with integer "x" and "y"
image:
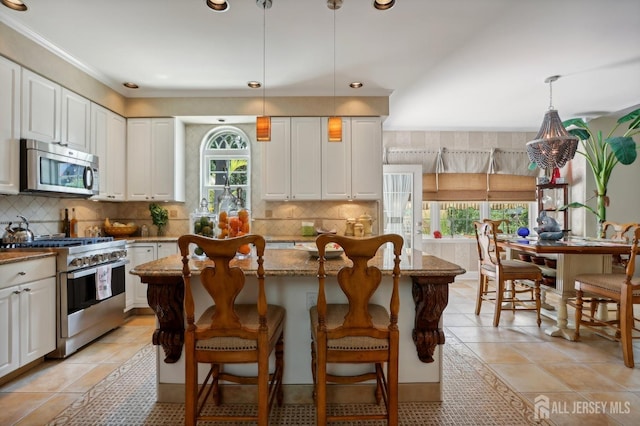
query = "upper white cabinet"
{"x": 155, "y": 159}
{"x": 305, "y": 155}
{"x": 336, "y": 163}
{"x": 276, "y": 161}
{"x": 352, "y": 169}
{"x": 9, "y": 127}
{"x": 41, "y": 108}
{"x": 51, "y": 113}
{"x": 366, "y": 158}
{"x": 108, "y": 142}
{"x": 291, "y": 165}
{"x": 76, "y": 121}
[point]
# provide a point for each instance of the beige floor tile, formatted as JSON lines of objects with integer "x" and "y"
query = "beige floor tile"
{"x": 541, "y": 352}
{"x": 529, "y": 378}
{"x": 581, "y": 377}
{"x": 624, "y": 407}
{"x": 491, "y": 334}
{"x": 567, "y": 409}
{"x": 48, "y": 410}
{"x": 52, "y": 377}
{"x": 497, "y": 353}
{"x": 15, "y": 406}
{"x": 627, "y": 377}
{"x": 87, "y": 381}
{"x": 458, "y": 320}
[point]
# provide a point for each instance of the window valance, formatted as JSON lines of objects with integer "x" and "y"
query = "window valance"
{"x": 492, "y": 161}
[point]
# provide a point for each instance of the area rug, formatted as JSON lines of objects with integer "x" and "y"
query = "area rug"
{"x": 473, "y": 395}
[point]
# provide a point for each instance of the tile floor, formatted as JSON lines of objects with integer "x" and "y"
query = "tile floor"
{"x": 577, "y": 377}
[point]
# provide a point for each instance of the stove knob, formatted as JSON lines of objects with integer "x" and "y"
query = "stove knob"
{"x": 78, "y": 261}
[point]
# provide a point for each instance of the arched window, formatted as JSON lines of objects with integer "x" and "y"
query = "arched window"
{"x": 225, "y": 151}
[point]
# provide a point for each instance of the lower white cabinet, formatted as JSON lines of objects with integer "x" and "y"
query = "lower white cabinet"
{"x": 27, "y": 312}
{"x": 139, "y": 253}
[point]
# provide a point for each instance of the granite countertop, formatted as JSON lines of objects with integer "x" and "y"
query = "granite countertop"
{"x": 14, "y": 255}
{"x": 268, "y": 238}
{"x": 294, "y": 262}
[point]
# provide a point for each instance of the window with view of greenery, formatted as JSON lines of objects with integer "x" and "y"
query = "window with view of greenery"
{"x": 225, "y": 151}
{"x": 456, "y": 218}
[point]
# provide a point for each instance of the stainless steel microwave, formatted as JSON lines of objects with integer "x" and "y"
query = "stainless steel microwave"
{"x": 54, "y": 169}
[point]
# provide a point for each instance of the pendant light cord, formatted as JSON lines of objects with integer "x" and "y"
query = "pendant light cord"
{"x": 334, "y": 62}
{"x": 264, "y": 55}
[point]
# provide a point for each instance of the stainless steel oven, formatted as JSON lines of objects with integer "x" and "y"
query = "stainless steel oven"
{"x": 83, "y": 306}
{"x": 90, "y": 287}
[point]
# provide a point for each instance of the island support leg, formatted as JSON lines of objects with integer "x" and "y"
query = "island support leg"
{"x": 166, "y": 300}
{"x": 430, "y": 295}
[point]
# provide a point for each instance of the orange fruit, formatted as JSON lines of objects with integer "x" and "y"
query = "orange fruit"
{"x": 244, "y": 249}
{"x": 234, "y": 223}
{"x": 243, "y": 215}
{"x": 245, "y": 227}
{"x": 223, "y": 217}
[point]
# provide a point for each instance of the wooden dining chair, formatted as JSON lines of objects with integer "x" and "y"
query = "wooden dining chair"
{"x": 618, "y": 232}
{"x": 230, "y": 333}
{"x": 357, "y": 332}
{"x": 621, "y": 289}
{"x": 522, "y": 276}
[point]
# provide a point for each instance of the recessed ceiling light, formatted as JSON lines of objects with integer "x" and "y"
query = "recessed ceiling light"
{"x": 254, "y": 84}
{"x": 130, "y": 85}
{"x": 218, "y": 5}
{"x": 355, "y": 84}
{"x": 15, "y": 5}
{"x": 383, "y": 4}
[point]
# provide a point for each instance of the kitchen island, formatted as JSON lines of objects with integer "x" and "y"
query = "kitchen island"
{"x": 291, "y": 281}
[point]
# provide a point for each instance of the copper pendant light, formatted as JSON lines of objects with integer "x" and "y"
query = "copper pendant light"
{"x": 263, "y": 122}
{"x": 334, "y": 124}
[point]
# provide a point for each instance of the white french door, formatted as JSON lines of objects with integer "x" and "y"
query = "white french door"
{"x": 402, "y": 202}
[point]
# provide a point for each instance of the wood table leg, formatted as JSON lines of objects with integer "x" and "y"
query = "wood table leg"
{"x": 430, "y": 295}
{"x": 167, "y": 299}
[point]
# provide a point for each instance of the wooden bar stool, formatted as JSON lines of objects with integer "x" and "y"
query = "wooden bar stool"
{"x": 230, "y": 333}
{"x": 357, "y": 332}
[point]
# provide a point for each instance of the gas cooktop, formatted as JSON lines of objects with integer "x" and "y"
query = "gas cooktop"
{"x": 52, "y": 241}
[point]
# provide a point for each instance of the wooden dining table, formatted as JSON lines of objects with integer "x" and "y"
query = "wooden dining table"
{"x": 574, "y": 256}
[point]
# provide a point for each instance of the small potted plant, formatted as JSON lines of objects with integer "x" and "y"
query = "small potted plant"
{"x": 159, "y": 216}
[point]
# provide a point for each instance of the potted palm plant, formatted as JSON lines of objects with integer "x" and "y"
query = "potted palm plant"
{"x": 603, "y": 154}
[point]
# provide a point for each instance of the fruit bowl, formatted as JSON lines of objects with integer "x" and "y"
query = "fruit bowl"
{"x": 120, "y": 231}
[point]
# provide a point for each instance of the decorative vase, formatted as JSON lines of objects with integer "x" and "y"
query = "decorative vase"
{"x": 160, "y": 231}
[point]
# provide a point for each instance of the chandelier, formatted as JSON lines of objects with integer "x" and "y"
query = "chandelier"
{"x": 553, "y": 145}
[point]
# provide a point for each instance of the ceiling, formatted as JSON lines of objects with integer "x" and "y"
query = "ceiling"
{"x": 446, "y": 64}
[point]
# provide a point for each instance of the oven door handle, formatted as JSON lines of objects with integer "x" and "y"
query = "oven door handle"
{"x": 92, "y": 271}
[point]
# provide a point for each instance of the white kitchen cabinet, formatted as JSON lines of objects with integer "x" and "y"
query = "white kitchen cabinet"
{"x": 41, "y": 108}
{"x": 9, "y": 127}
{"x": 336, "y": 163}
{"x": 76, "y": 121}
{"x": 306, "y": 142}
{"x": 155, "y": 159}
{"x": 108, "y": 142}
{"x": 290, "y": 161}
{"x": 276, "y": 161}
{"x": 27, "y": 312}
{"x": 352, "y": 169}
{"x": 139, "y": 253}
{"x": 366, "y": 158}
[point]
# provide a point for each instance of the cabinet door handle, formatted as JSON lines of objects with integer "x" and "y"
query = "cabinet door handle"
{"x": 26, "y": 290}
{"x": 16, "y": 292}
{"x": 22, "y": 273}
